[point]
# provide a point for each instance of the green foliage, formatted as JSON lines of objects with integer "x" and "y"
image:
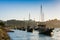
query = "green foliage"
{"x": 2, "y": 24}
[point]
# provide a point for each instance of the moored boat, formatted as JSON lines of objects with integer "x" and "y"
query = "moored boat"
{"x": 29, "y": 29}
{"x": 44, "y": 30}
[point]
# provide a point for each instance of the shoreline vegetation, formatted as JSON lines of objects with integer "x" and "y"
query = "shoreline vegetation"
{"x": 3, "y": 32}
{"x": 4, "y": 35}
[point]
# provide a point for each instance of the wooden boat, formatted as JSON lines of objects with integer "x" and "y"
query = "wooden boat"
{"x": 29, "y": 29}
{"x": 23, "y": 29}
{"x": 44, "y": 30}
{"x": 10, "y": 30}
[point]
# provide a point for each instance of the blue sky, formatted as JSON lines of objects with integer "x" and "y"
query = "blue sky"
{"x": 20, "y": 9}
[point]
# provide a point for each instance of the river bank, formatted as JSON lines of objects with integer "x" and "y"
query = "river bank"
{"x": 4, "y": 35}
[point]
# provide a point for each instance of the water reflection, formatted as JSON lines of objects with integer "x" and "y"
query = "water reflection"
{"x": 23, "y": 35}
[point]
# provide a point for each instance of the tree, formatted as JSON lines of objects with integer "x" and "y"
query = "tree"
{"x": 2, "y": 24}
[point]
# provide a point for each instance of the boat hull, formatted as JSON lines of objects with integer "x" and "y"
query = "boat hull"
{"x": 30, "y": 30}
{"x": 46, "y": 32}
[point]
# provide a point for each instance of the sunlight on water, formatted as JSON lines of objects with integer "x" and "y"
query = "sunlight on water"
{"x": 56, "y": 34}
{"x": 23, "y": 35}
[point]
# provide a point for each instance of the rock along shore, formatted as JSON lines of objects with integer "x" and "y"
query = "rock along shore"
{"x": 4, "y": 35}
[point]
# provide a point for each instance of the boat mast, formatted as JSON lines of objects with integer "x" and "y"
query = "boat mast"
{"x": 29, "y": 19}
{"x": 42, "y": 15}
{"x": 29, "y": 16}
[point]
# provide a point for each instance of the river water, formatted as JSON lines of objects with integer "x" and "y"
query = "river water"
{"x": 23, "y": 35}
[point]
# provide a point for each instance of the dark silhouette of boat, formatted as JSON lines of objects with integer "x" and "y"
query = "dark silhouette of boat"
{"x": 44, "y": 30}
{"x": 10, "y": 30}
{"x": 23, "y": 28}
{"x": 29, "y": 29}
